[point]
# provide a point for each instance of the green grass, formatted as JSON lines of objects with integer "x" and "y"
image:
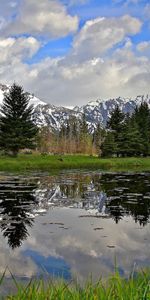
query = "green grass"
{"x": 115, "y": 288}
{"x": 49, "y": 163}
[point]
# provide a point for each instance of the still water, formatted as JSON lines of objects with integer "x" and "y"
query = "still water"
{"x": 74, "y": 225}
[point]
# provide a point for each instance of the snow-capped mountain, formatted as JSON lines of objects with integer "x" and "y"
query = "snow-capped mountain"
{"x": 95, "y": 111}
{"x": 100, "y": 110}
{"x": 45, "y": 114}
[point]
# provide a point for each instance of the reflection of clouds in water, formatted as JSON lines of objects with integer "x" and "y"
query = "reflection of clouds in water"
{"x": 83, "y": 243}
{"x": 16, "y": 262}
{"x": 85, "y": 250}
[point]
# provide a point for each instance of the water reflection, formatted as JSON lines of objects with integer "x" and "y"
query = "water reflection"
{"x": 99, "y": 195}
{"x": 103, "y": 195}
{"x": 16, "y": 204}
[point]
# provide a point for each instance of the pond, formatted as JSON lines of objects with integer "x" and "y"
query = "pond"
{"x": 74, "y": 225}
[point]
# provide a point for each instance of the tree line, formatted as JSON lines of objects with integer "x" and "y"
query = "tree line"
{"x": 124, "y": 135}
{"x": 128, "y": 135}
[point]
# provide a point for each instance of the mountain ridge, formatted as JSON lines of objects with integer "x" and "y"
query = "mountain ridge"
{"x": 96, "y": 111}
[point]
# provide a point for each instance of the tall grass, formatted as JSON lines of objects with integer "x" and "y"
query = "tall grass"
{"x": 115, "y": 288}
{"x": 48, "y": 163}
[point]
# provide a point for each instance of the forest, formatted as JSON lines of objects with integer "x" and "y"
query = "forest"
{"x": 125, "y": 135}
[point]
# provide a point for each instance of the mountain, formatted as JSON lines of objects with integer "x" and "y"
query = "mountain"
{"x": 100, "y": 110}
{"x": 45, "y": 114}
{"x": 95, "y": 111}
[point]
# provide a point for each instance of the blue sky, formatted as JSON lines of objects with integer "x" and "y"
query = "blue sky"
{"x": 92, "y": 9}
{"x": 71, "y": 51}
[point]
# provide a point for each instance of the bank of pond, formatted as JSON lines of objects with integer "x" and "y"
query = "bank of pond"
{"x": 48, "y": 163}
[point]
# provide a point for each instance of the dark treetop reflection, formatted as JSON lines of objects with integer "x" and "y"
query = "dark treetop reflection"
{"x": 101, "y": 195}
{"x": 16, "y": 204}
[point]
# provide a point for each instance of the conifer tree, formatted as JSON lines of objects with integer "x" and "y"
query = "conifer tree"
{"x": 109, "y": 147}
{"x": 142, "y": 118}
{"x": 131, "y": 139}
{"x": 116, "y": 124}
{"x": 17, "y": 130}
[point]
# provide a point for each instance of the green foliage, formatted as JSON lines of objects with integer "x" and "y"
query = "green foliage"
{"x": 53, "y": 163}
{"x": 109, "y": 146}
{"x": 114, "y": 288}
{"x": 17, "y": 130}
{"x": 130, "y": 135}
{"x": 116, "y": 120}
{"x": 142, "y": 118}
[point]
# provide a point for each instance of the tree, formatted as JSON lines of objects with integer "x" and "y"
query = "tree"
{"x": 17, "y": 130}
{"x": 116, "y": 120}
{"x": 142, "y": 118}
{"x": 116, "y": 124}
{"x": 131, "y": 139}
{"x": 109, "y": 146}
{"x": 98, "y": 138}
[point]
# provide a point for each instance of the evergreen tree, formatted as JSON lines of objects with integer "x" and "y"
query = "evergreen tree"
{"x": 116, "y": 124}
{"x": 109, "y": 147}
{"x": 142, "y": 118}
{"x": 131, "y": 139}
{"x": 17, "y": 130}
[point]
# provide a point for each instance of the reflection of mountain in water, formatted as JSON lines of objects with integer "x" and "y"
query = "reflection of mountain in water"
{"x": 108, "y": 195}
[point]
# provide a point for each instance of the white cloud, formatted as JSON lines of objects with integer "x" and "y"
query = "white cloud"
{"x": 17, "y": 49}
{"x": 88, "y": 72}
{"x": 101, "y": 34}
{"x": 144, "y": 47}
{"x": 46, "y": 18}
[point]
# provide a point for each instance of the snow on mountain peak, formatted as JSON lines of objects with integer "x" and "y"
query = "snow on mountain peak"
{"x": 97, "y": 111}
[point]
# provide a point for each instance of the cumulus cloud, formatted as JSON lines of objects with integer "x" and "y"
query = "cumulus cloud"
{"x": 45, "y": 18}
{"x": 101, "y": 34}
{"x": 101, "y": 64}
{"x": 17, "y": 48}
{"x": 144, "y": 47}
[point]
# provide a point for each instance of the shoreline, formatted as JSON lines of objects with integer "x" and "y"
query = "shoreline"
{"x": 52, "y": 163}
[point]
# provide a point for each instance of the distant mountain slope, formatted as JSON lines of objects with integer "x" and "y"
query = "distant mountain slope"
{"x": 95, "y": 111}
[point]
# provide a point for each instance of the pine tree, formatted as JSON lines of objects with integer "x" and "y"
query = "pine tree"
{"x": 116, "y": 124}
{"x": 17, "y": 130}
{"x": 116, "y": 120}
{"x": 109, "y": 147}
{"x": 131, "y": 139}
{"x": 142, "y": 118}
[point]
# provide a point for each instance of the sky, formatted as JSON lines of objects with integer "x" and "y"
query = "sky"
{"x": 69, "y": 52}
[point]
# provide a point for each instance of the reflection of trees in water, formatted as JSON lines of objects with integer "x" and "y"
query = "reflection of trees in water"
{"x": 113, "y": 195}
{"x": 116, "y": 195}
{"x": 16, "y": 206}
{"x": 131, "y": 196}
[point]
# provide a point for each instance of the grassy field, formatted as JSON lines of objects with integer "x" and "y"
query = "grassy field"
{"x": 49, "y": 163}
{"x": 115, "y": 288}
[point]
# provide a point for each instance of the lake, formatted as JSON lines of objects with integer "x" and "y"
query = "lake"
{"x": 74, "y": 225}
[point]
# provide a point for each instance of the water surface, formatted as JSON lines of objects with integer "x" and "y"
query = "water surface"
{"x": 74, "y": 225}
